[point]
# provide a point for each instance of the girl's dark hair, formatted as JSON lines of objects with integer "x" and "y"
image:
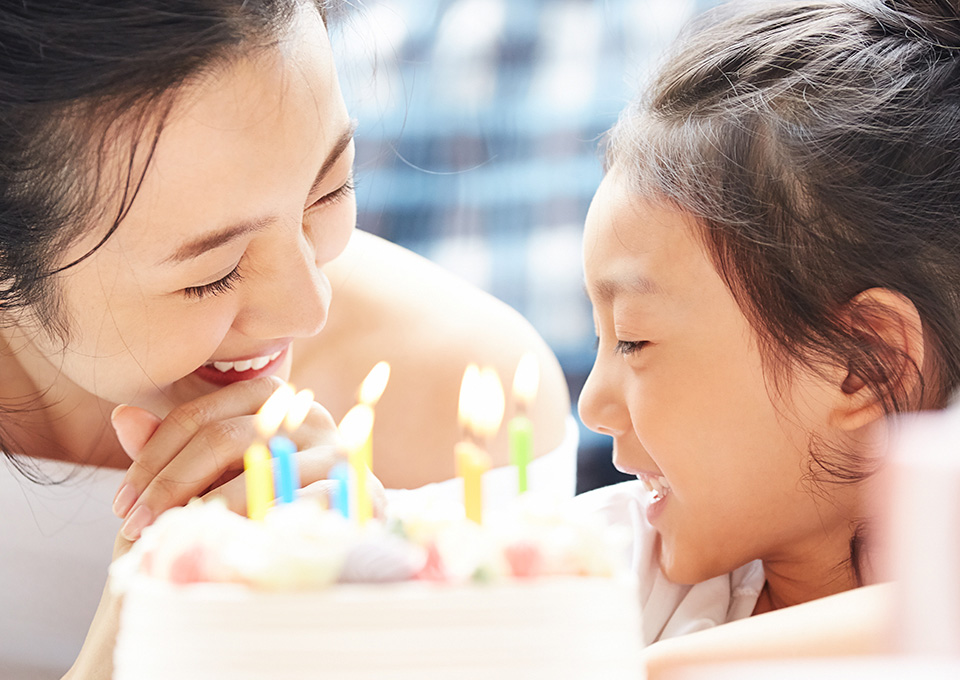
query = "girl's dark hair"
{"x": 818, "y": 144}
{"x": 85, "y": 86}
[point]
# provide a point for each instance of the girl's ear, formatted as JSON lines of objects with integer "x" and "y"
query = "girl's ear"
{"x": 891, "y": 361}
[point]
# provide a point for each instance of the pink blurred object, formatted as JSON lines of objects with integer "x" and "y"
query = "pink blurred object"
{"x": 922, "y": 542}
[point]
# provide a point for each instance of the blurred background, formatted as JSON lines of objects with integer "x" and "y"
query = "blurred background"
{"x": 478, "y": 144}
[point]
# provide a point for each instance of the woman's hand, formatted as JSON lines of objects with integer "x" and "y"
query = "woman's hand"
{"x": 198, "y": 449}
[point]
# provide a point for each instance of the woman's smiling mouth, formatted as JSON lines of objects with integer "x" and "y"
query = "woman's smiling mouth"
{"x": 245, "y": 365}
{"x": 227, "y": 372}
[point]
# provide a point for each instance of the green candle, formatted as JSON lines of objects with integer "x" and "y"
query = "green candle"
{"x": 525, "y": 383}
{"x": 521, "y": 448}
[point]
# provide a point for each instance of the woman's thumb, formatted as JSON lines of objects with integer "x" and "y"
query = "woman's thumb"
{"x": 134, "y": 427}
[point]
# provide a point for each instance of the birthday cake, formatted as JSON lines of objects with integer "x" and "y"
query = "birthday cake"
{"x": 532, "y": 593}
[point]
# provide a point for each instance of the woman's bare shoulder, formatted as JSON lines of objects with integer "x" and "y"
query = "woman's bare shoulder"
{"x": 392, "y": 304}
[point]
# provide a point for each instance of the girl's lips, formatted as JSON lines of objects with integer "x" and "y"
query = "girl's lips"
{"x": 228, "y": 372}
{"x": 660, "y": 490}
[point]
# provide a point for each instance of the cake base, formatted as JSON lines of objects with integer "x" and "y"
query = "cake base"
{"x": 545, "y": 628}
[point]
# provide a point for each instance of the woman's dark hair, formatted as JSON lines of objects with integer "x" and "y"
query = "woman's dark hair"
{"x": 818, "y": 145}
{"x": 85, "y": 86}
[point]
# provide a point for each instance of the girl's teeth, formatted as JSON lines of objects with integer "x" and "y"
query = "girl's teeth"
{"x": 658, "y": 486}
{"x": 245, "y": 365}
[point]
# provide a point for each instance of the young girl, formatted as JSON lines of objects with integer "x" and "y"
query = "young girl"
{"x": 773, "y": 259}
{"x": 175, "y": 183}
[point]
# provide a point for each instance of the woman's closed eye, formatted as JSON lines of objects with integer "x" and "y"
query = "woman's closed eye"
{"x": 336, "y": 195}
{"x": 215, "y": 288}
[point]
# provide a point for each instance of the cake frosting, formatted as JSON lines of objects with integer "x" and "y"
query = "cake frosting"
{"x": 426, "y": 593}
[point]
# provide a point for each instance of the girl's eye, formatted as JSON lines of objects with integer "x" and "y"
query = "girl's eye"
{"x": 217, "y": 287}
{"x": 337, "y": 195}
{"x": 626, "y": 348}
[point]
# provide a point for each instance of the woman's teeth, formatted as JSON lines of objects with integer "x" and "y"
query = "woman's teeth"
{"x": 658, "y": 486}
{"x": 245, "y": 365}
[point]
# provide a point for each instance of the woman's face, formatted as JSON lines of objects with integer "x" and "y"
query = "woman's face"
{"x": 247, "y": 196}
{"x": 679, "y": 384}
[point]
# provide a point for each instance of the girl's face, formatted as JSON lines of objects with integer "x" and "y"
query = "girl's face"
{"x": 247, "y": 196}
{"x": 679, "y": 384}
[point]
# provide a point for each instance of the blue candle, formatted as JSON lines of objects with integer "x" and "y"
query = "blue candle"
{"x": 339, "y": 495}
{"x": 287, "y": 478}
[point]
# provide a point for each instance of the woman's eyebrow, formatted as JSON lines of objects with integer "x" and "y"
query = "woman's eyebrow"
{"x": 343, "y": 141}
{"x": 223, "y": 236}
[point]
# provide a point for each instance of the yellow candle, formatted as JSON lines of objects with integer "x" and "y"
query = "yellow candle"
{"x": 355, "y": 429}
{"x": 257, "y": 463}
{"x": 258, "y": 471}
{"x": 472, "y": 462}
{"x": 480, "y": 415}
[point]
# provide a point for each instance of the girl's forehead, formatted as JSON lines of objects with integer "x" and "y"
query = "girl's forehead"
{"x": 629, "y": 238}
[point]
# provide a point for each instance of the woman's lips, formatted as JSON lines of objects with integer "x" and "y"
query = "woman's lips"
{"x": 228, "y": 372}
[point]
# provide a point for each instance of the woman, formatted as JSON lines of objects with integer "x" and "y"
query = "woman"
{"x": 176, "y": 179}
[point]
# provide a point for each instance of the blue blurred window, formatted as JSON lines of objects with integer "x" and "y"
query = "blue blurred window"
{"x": 478, "y": 142}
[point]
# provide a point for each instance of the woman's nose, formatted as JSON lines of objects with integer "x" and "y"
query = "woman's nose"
{"x": 290, "y": 299}
{"x": 601, "y": 405}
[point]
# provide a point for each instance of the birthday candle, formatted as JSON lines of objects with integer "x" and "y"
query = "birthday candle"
{"x": 525, "y": 383}
{"x": 355, "y": 430}
{"x": 481, "y": 412}
{"x": 340, "y": 494}
{"x": 257, "y": 466}
{"x": 472, "y": 462}
{"x": 372, "y": 387}
{"x": 284, "y": 450}
{"x": 287, "y": 476}
{"x": 259, "y": 480}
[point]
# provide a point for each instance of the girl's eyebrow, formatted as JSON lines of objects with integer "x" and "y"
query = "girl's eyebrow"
{"x": 605, "y": 291}
{"x": 222, "y": 237}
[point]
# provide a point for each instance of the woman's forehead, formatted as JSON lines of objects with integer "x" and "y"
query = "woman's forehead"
{"x": 240, "y": 143}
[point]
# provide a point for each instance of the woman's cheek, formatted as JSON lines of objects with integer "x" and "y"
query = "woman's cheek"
{"x": 330, "y": 236}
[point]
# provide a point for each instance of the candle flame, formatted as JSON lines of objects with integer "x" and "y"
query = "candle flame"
{"x": 489, "y": 403}
{"x": 374, "y": 384}
{"x": 526, "y": 380}
{"x": 468, "y": 392}
{"x": 356, "y": 426}
{"x": 274, "y": 410}
{"x": 299, "y": 408}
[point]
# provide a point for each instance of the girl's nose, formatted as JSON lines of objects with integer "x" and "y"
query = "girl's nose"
{"x": 601, "y": 405}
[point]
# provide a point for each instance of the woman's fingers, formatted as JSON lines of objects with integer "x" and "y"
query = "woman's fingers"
{"x": 200, "y": 447}
{"x": 313, "y": 466}
{"x": 134, "y": 427}
{"x": 181, "y": 426}
{"x": 214, "y": 454}
{"x": 318, "y": 429}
